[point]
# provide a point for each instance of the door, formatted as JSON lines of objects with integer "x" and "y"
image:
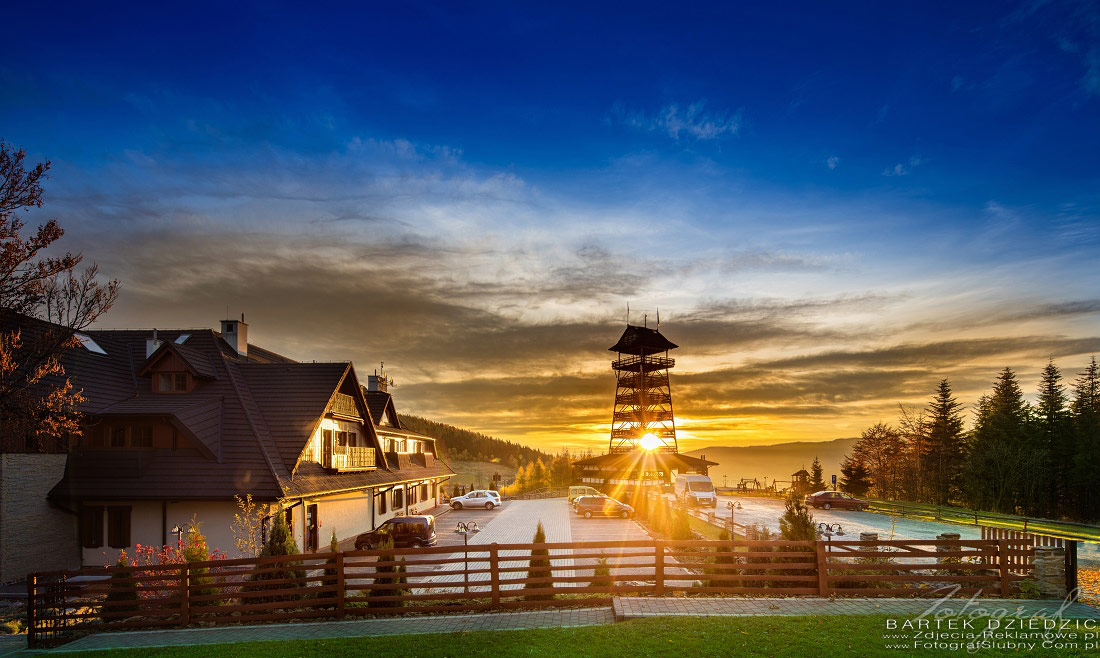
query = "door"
{"x": 311, "y": 528}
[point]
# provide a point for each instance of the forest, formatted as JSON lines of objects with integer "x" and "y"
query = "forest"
{"x": 466, "y": 445}
{"x": 1040, "y": 459}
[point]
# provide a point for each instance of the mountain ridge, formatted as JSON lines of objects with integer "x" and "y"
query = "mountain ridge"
{"x": 776, "y": 461}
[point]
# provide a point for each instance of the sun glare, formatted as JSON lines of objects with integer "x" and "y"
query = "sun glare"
{"x": 650, "y": 442}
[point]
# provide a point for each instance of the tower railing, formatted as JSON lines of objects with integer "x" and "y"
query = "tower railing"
{"x": 649, "y": 362}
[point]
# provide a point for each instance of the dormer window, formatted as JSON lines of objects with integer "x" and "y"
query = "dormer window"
{"x": 173, "y": 382}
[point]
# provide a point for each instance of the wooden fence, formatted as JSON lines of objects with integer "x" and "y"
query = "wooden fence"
{"x": 64, "y": 604}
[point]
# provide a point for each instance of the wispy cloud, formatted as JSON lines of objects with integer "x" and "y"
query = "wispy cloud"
{"x": 904, "y": 169}
{"x": 694, "y": 121}
{"x": 832, "y": 162}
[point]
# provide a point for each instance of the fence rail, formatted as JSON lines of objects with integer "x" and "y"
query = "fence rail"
{"x": 63, "y": 604}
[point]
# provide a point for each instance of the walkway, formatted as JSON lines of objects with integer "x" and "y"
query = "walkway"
{"x": 636, "y": 608}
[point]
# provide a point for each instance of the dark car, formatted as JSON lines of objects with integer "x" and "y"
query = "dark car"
{"x": 831, "y": 499}
{"x": 589, "y": 506}
{"x": 406, "y": 531}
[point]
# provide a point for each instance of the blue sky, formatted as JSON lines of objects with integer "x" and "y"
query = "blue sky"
{"x": 783, "y": 180}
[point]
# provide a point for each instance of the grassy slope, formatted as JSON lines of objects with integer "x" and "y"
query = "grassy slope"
{"x": 992, "y": 519}
{"x": 680, "y": 636}
{"x": 469, "y": 472}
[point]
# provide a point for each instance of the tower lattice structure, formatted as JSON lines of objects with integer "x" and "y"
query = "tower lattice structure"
{"x": 643, "y": 395}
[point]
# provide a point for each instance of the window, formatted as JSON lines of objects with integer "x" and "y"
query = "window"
{"x": 91, "y": 527}
{"x": 141, "y": 437}
{"x": 342, "y": 439}
{"x": 118, "y": 437}
{"x": 290, "y": 520}
{"x": 382, "y": 503}
{"x": 352, "y": 439}
{"x": 181, "y": 381}
{"x": 118, "y": 527}
{"x": 172, "y": 382}
{"x": 412, "y": 496}
{"x": 398, "y": 498}
{"x": 165, "y": 382}
{"x": 424, "y": 492}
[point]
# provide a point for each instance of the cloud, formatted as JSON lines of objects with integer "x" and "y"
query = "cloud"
{"x": 693, "y": 122}
{"x": 832, "y": 161}
{"x": 901, "y": 169}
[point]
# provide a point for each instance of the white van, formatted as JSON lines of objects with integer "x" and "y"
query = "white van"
{"x": 696, "y": 490}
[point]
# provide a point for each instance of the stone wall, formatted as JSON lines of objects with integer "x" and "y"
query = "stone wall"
{"x": 34, "y": 535}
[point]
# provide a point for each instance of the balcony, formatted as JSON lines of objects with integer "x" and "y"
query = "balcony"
{"x": 643, "y": 415}
{"x": 344, "y": 405}
{"x": 643, "y": 400}
{"x": 637, "y": 433}
{"x": 351, "y": 458}
{"x": 646, "y": 363}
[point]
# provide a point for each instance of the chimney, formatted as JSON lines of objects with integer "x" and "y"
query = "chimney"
{"x": 376, "y": 382}
{"x": 236, "y": 334}
{"x": 151, "y": 344}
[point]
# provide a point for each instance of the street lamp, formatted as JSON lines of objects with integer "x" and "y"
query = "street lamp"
{"x": 465, "y": 529}
{"x": 828, "y": 530}
{"x": 179, "y": 534}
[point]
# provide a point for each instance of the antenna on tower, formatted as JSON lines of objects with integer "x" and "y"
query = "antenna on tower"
{"x": 658, "y": 317}
{"x": 628, "y": 312}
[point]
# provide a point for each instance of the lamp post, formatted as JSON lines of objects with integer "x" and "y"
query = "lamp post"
{"x": 465, "y": 529}
{"x": 828, "y": 530}
{"x": 179, "y": 534}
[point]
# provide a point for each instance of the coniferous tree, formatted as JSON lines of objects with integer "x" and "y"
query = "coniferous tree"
{"x": 1004, "y": 463}
{"x": 817, "y": 482}
{"x": 855, "y": 478}
{"x": 797, "y": 523}
{"x": 1086, "y": 418}
{"x": 539, "y": 566}
{"x": 945, "y": 445}
{"x": 1056, "y": 429}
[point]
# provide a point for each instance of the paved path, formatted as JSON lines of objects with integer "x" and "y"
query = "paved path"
{"x": 361, "y": 628}
{"x": 636, "y": 607}
{"x": 11, "y": 644}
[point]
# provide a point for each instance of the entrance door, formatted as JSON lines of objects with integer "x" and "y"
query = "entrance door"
{"x": 311, "y": 528}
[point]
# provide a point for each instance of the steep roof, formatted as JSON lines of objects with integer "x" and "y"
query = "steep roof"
{"x": 242, "y": 428}
{"x": 382, "y": 408}
{"x": 636, "y": 340}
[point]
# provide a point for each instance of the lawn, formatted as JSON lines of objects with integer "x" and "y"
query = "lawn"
{"x": 992, "y": 519}
{"x": 669, "y": 636}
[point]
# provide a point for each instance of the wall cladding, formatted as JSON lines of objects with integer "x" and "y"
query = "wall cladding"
{"x": 34, "y": 535}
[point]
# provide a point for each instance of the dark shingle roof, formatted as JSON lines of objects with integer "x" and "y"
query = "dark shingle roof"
{"x": 635, "y": 340}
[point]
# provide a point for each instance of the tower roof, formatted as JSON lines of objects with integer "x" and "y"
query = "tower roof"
{"x": 636, "y": 339}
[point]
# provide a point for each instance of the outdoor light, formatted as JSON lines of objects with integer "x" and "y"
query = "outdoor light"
{"x": 830, "y": 530}
{"x": 465, "y": 529}
{"x": 650, "y": 442}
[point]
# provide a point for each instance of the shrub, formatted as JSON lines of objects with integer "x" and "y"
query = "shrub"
{"x": 120, "y": 593}
{"x": 601, "y": 575}
{"x": 797, "y": 523}
{"x": 387, "y": 575}
{"x": 195, "y": 550}
{"x": 331, "y": 578}
{"x": 724, "y": 556}
{"x": 12, "y": 627}
{"x": 539, "y": 567}
{"x": 681, "y": 524}
{"x": 280, "y": 542}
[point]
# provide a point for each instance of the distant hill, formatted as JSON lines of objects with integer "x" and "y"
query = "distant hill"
{"x": 775, "y": 461}
{"x": 460, "y": 444}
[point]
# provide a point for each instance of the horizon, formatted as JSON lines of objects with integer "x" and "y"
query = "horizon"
{"x": 833, "y": 210}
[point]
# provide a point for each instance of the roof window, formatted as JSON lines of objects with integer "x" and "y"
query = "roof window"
{"x": 182, "y": 339}
{"x": 89, "y": 344}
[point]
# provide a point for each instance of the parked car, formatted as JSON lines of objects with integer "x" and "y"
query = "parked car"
{"x": 405, "y": 531}
{"x": 831, "y": 499}
{"x": 486, "y": 498}
{"x": 576, "y": 492}
{"x": 589, "y": 506}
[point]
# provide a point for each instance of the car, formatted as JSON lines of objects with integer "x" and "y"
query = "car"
{"x": 486, "y": 498}
{"x": 405, "y": 531}
{"x": 837, "y": 499}
{"x": 589, "y": 506}
{"x": 577, "y": 491}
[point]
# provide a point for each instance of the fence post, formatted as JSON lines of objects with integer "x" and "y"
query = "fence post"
{"x": 1071, "y": 569}
{"x": 822, "y": 569}
{"x": 340, "y": 593}
{"x": 659, "y": 565}
{"x": 185, "y": 594}
{"x": 494, "y": 573}
{"x": 32, "y": 621}
{"x": 1002, "y": 560}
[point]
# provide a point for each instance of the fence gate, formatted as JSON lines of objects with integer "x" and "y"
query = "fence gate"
{"x": 1022, "y": 562}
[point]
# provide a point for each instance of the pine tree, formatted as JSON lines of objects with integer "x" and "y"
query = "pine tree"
{"x": 539, "y": 566}
{"x": 817, "y": 483}
{"x": 1086, "y": 420}
{"x": 385, "y": 574}
{"x": 855, "y": 478}
{"x": 280, "y": 541}
{"x": 1004, "y": 461}
{"x": 1055, "y": 427}
{"x": 724, "y": 556}
{"x": 945, "y": 445}
{"x": 797, "y": 523}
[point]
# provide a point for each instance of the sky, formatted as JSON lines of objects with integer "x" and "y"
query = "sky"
{"x": 833, "y": 207}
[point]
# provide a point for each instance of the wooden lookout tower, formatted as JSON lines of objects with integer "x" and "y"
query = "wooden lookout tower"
{"x": 642, "y": 416}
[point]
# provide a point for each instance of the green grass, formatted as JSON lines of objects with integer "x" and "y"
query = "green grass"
{"x": 965, "y": 516}
{"x": 670, "y": 636}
